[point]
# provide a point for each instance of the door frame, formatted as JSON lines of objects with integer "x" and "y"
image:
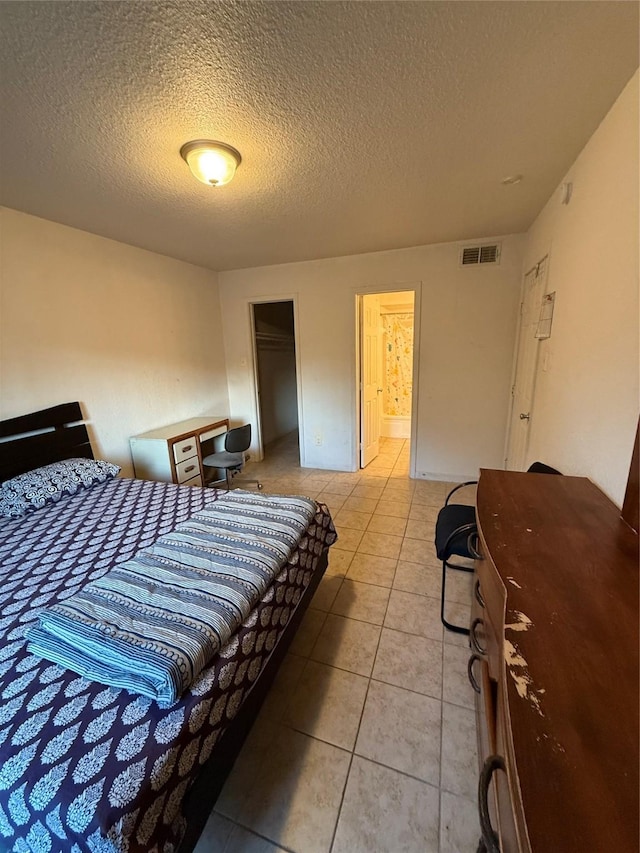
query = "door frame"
{"x": 365, "y": 372}
{"x": 376, "y": 289}
{"x": 546, "y": 259}
{"x": 254, "y": 378}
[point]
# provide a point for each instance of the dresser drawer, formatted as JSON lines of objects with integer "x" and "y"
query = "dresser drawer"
{"x": 491, "y": 631}
{"x": 507, "y": 791}
{"x": 485, "y": 701}
{"x": 185, "y": 449}
{"x": 187, "y": 469}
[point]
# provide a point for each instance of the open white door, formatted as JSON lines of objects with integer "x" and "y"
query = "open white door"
{"x": 526, "y": 365}
{"x": 371, "y": 379}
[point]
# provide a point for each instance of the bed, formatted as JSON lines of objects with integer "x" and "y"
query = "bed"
{"x": 87, "y": 767}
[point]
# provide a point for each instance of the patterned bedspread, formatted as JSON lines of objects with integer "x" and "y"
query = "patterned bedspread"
{"x": 84, "y": 767}
{"x": 152, "y": 623}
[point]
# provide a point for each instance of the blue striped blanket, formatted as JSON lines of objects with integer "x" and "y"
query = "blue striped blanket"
{"x": 152, "y": 623}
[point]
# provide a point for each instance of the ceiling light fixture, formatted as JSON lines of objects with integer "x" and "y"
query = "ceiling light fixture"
{"x": 213, "y": 163}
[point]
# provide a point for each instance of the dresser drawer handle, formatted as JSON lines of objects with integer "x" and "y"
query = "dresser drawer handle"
{"x": 472, "y": 545}
{"x": 472, "y": 677}
{"x": 489, "y": 835}
{"x": 190, "y": 468}
{"x": 187, "y": 448}
{"x": 478, "y": 594}
{"x": 475, "y": 645}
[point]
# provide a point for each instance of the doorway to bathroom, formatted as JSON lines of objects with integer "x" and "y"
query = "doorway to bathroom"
{"x": 386, "y": 367}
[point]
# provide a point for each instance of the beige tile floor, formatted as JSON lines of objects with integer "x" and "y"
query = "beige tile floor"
{"x": 367, "y": 740}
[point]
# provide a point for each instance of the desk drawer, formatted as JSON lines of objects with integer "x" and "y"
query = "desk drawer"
{"x": 194, "y": 481}
{"x": 185, "y": 449}
{"x": 212, "y": 433}
{"x": 187, "y": 469}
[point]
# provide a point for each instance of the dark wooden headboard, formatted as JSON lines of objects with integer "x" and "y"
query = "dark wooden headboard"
{"x": 36, "y": 439}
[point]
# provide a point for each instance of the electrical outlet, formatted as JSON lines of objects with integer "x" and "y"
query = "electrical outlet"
{"x": 318, "y": 439}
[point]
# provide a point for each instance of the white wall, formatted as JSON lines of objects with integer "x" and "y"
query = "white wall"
{"x": 468, "y": 319}
{"x": 586, "y": 405}
{"x": 134, "y": 336}
{"x": 278, "y": 393}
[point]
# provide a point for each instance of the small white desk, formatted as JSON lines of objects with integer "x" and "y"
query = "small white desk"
{"x": 173, "y": 454}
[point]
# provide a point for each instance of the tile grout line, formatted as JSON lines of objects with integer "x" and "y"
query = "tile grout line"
{"x": 353, "y": 752}
{"x": 248, "y": 829}
{"x": 386, "y": 480}
{"x": 442, "y": 642}
{"x": 441, "y": 754}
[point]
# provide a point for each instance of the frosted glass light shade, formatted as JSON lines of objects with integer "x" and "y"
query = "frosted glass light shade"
{"x": 213, "y": 163}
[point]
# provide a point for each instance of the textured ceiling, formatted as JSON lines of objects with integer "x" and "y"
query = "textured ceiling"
{"x": 362, "y": 126}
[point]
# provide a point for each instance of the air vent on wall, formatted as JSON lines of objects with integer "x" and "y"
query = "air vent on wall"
{"x": 473, "y": 255}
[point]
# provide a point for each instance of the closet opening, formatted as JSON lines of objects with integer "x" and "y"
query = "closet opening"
{"x": 276, "y": 378}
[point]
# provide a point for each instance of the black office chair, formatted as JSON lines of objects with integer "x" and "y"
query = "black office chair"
{"x": 457, "y": 536}
{"x": 231, "y": 459}
{"x": 541, "y": 468}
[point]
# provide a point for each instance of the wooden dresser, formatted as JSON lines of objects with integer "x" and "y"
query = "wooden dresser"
{"x": 555, "y": 667}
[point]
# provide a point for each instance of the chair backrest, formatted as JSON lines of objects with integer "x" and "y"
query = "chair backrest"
{"x": 541, "y": 468}
{"x": 237, "y": 440}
